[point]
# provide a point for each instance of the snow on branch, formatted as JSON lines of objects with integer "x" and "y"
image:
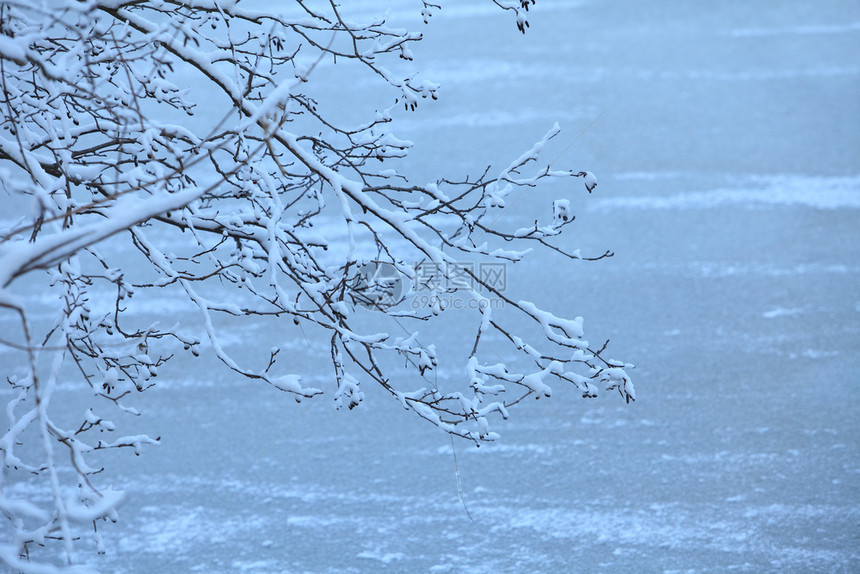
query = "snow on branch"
{"x": 177, "y": 147}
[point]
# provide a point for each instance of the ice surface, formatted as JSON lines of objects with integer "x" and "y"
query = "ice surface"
{"x": 729, "y": 165}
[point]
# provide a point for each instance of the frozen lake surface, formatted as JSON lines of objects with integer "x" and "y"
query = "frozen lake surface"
{"x": 726, "y": 140}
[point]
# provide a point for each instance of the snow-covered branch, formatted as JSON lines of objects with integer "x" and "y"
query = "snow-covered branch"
{"x": 178, "y": 146}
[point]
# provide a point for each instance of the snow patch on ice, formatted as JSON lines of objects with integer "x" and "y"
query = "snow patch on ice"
{"x": 804, "y": 30}
{"x": 670, "y": 526}
{"x": 491, "y": 118}
{"x": 782, "y": 190}
{"x": 385, "y": 558}
{"x": 652, "y": 175}
{"x": 170, "y": 529}
{"x": 311, "y": 521}
{"x": 768, "y": 74}
{"x": 504, "y": 449}
{"x": 781, "y": 312}
{"x": 712, "y": 270}
{"x": 482, "y": 70}
{"x": 816, "y": 354}
{"x": 255, "y": 565}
